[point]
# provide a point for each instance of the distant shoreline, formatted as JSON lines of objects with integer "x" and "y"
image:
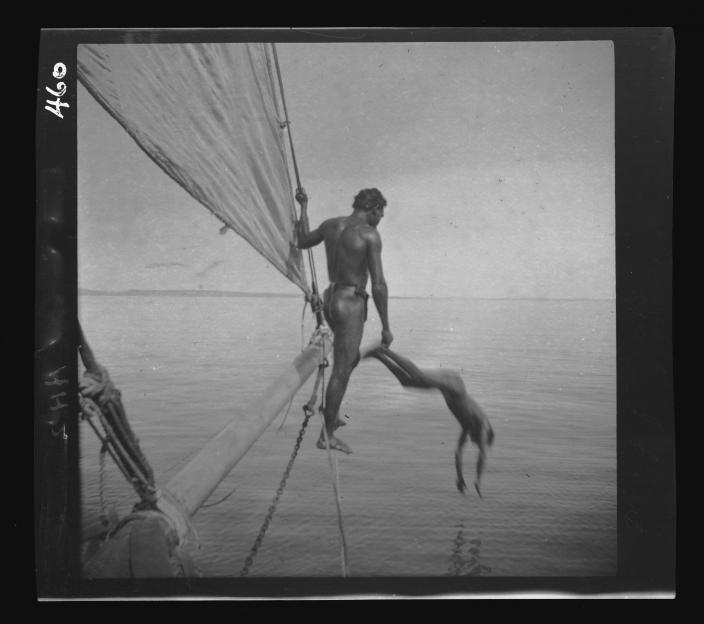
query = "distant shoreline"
{"x": 179, "y": 293}
{"x": 263, "y": 295}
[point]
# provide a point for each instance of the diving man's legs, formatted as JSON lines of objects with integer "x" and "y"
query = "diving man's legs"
{"x": 408, "y": 374}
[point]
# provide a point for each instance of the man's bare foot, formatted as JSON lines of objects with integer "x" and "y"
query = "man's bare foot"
{"x": 338, "y": 421}
{"x": 335, "y": 443}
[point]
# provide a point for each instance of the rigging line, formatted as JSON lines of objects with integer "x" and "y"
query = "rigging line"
{"x": 335, "y": 482}
{"x": 288, "y": 123}
{"x": 290, "y": 403}
{"x": 311, "y": 260}
{"x": 336, "y": 491}
{"x": 283, "y": 420}
{"x": 105, "y": 440}
{"x": 224, "y": 498}
{"x": 303, "y": 318}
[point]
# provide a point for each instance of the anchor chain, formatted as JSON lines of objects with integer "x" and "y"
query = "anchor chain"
{"x": 279, "y": 491}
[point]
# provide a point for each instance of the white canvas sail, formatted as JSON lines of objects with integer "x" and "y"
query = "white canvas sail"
{"x": 208, "y": 115}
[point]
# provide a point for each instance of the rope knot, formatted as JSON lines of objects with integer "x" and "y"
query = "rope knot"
{"x": 316, "y": 304}
{"x": 98, "y": 386}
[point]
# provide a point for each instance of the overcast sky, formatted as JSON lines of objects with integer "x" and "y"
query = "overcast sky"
{"x": 496, "y": 159}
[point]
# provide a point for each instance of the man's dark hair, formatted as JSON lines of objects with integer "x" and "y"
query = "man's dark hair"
{"x": 368, "y": 199}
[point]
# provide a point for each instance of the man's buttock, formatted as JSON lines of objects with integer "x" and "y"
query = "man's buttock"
{"x": 341, "y": 287}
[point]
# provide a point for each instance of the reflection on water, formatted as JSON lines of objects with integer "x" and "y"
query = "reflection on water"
{"x": 544, "y": 371}
{"x": 465, "y": 561}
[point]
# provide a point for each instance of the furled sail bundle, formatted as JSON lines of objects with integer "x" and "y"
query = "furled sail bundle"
{"x": 209, "y": 116}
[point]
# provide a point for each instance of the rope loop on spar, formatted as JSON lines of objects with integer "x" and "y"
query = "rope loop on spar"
{"x": 316, "y": 303}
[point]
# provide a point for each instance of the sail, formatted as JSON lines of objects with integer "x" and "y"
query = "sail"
{"x": 209, "y": 116}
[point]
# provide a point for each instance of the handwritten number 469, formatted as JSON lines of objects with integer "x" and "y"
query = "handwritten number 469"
{"x": 55, "y": 105}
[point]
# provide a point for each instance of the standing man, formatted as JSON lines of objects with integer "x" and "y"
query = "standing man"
{"x": 353, "y": 249}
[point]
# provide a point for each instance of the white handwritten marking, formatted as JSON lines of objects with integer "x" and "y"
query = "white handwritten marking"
{"x": 54, "y": 379}
{"x": 61, "y": 86}
{"x": 59, "y": 71}
{"x": 56, "y": 105}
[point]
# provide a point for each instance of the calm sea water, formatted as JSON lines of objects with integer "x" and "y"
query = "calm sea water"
{"x": 544, "y": 371}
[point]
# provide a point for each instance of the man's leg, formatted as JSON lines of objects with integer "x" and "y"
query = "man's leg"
{"x": 327, "y": 297}
{"x": 347, "y": 312}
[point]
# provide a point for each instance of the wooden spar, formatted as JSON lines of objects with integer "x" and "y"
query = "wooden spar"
{"x": 196, "y": 481}
{"x": 148, "y": 543}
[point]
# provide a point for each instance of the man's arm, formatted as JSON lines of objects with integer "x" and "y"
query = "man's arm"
{"x": 304, "y": 237}
{"x": 380, "y": 292}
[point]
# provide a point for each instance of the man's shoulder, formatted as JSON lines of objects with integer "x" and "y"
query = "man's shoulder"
{"x": 357, "y": 230}
{"x": 370, "y": 232}
{"x": 334, "y": 222}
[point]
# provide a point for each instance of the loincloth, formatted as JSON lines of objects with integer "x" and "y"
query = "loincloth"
{"x": 330, "y": 290}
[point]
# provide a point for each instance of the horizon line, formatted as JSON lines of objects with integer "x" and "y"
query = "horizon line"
{"x": 238, "y": 293}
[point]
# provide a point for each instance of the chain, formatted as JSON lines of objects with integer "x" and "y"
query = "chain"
{"x": 308, "y": 410}
{"x": 279, "y": 491}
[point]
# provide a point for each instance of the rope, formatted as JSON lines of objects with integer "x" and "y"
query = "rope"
{"x": 222, "y": 500}
{"x": 287, "y": 123}
{"x": 303, "y": 318}
{"x": 283, "y": 420}
{"x": 336, "y": 490}
{"x": 89, "y": 410}
{"x": 100, "y": 400}
{"x": 101, "y": 485}
{"x": 333, "y": 468}
{"x": 290, "y": 403}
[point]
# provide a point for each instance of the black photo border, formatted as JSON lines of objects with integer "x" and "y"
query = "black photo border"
{"x": 644, "y": 116}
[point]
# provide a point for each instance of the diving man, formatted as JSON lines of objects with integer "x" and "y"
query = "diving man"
{"x": 353, "y": 250}
{"x": 471, "y": 417}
